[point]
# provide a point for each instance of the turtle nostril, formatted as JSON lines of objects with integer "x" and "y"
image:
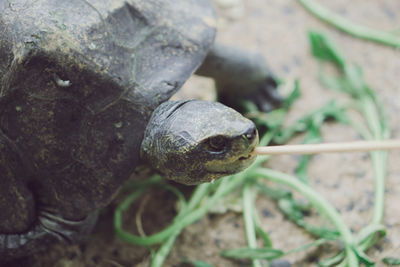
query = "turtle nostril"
{"x": 251, "y": 134}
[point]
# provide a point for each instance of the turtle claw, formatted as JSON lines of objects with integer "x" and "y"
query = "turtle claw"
{"x": 49, "y": 228}
{"x": 263, "y": 94}
{"x": 266, "y": 96}
{"x": 66, "y": 230}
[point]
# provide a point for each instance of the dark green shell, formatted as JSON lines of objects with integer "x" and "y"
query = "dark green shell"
{"x": 79, "y": 80}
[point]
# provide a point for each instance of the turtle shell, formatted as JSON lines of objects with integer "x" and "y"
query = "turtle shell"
{"x": 79, "y": 81}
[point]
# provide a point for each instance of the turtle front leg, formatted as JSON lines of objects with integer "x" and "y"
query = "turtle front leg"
{"x": 241, "y": 75}
{"x": 26, "y": 224}
{"x": 48, "y": 229}
{"x": 19, "y": 245}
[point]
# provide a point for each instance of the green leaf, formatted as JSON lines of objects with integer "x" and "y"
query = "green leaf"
{"x": 316, "y": 243}
{"x": 273, "y": 193}
{"x": 332, "y": 261}
{"x": 351, "y": 81}
{"x": 252, "y": 253}
{"x": 293, "y": 96}
{"x": 301, "y": 170}
{"x": 271, "y": 120}
{"x": 332, "y": 82}
{"x": 312, "y": 121}
{"x": 391, "y": 261}
{"x": 373, "y": 230}
{"x": 324, "y": 50}
{"x": 364, "y": 258}
{"x": 294, "y": 211}
{"x": 265, "y": 237}
{"x": 197, "y": 263}
{"x": 289, "y": 208}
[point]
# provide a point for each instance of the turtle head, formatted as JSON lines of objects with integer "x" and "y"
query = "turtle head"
{"x": 192, "y": 141}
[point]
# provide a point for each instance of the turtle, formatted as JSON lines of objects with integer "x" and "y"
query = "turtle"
{"x": 85, "y": 88}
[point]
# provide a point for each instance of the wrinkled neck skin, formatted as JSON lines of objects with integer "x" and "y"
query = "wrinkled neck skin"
{"x": 193, "y": 142}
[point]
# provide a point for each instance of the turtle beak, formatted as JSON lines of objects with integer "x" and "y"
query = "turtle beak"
{"x": 250, "y": 137}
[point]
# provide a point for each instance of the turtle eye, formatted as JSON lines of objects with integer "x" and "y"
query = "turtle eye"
{"x": 217, "y": 143}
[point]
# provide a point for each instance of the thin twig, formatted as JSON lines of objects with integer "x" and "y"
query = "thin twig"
{"x": 139, "y": 214}
{"x": 306, "y": 149}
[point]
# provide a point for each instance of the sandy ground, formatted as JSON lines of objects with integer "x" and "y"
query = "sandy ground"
{"x": 278, "y": 29}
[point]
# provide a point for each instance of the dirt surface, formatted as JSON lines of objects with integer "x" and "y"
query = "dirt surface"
{"x": 277, "y": 29}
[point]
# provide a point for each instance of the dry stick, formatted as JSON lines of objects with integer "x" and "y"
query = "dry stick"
{"x": 356, "y": 146}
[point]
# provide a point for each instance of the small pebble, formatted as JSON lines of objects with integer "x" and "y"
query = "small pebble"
{"x": 286, "y": 68}
{"x": 288, "y": 10}
{"x": 267, "y": 214}
{"x": 350, "y": 206}
{"x": 389, "y": 12}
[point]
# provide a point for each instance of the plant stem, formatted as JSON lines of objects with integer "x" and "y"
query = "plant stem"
{"x": 162, "y": 253}
{"x": 248, "y": 209}
{"x": 320, "y": 203}
{"x": 200, "y": 192}
{"x": 370, "y": 112}
{"x": 349, "y": 27}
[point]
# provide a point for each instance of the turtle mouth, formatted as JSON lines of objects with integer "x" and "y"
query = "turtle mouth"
{"x": 246, "y": 157}
{"x": 250, "y": 155}
{"x": 233, "y": 166}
